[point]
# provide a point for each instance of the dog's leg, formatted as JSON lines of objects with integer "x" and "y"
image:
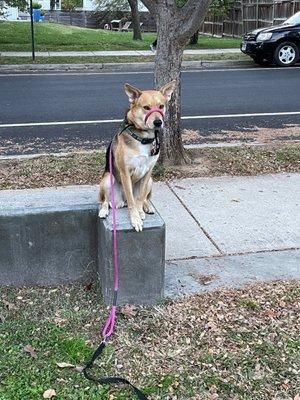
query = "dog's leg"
{"x": 145, "y": 186}
{"x": 135, "y": 218}
{"x": 104, "y": 196}
{"x": 147, "y": 207}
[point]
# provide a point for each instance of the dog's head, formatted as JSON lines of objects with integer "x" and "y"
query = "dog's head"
{"x": 148, "y": 107}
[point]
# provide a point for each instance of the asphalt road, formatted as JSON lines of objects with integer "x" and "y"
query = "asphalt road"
{"x": 212, "y": 101}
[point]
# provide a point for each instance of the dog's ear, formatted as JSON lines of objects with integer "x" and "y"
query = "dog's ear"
{"x": 132, "y": 92}
{"x": 168, "y": 89}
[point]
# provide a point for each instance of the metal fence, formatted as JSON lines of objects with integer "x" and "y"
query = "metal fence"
{"x": 247, "y": 15}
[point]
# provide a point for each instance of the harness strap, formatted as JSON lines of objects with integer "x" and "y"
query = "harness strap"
{"x": 110, "y": 379}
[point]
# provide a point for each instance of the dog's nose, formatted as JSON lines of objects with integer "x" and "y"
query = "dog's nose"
{"x": 157, "y": 123}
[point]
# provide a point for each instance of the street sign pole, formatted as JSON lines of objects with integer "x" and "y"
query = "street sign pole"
{"x": 32, "y": 32}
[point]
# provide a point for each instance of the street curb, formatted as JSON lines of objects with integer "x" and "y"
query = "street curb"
{"x": 134, "y": 66}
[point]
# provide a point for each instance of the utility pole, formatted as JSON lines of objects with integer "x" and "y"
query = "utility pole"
{"x": 32, "y": 31}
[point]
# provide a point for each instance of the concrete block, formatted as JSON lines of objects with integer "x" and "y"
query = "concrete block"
{"x": 141, "y": 259}
{"x": 48, "y": 236}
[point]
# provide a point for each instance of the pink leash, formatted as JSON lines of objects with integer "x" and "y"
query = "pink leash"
{"x": 111, "y": 321}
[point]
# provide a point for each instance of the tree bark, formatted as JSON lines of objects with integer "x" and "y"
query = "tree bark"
{"x": 135, "y": 16}
{"x": 169, "y": 55}
{"x": 175, "y": 26}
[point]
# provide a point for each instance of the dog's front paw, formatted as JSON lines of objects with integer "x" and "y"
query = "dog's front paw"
{"x": 103, "y": 213}
{"x": 148, "y": 208}
{"x": 142, "y": 214}
{"x": 136, "y": 221}
{"x": 139, "y": 206}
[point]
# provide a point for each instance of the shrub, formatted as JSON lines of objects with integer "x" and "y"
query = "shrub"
{"x": 36, "y": 5}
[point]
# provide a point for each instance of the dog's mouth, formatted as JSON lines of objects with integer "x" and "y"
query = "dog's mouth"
{"x": 158, "y": 119}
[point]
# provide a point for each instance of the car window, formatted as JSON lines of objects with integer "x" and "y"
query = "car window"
{"x": 293, "y": 20}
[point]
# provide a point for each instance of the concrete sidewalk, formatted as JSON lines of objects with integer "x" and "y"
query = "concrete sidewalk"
{"x": 229, "y": 231}
{"x": 222, "y": 231}
{"x": 130, "y": 53}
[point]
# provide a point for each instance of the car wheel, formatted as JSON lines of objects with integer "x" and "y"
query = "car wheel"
{"x": 286, "y": 54}
{"x": 261, "y": 61}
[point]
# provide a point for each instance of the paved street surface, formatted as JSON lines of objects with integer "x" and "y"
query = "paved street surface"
{"x": 220, "y": 231}
{"x": 64, "y": 112}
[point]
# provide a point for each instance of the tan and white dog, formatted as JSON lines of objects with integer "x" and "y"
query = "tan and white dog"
{"x": 135, "y": 150}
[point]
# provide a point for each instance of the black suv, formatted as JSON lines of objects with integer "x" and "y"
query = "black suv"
{"x": 279, "y": 44}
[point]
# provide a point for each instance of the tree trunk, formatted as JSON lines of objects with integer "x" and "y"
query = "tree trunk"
{"x": 175, "y": 26}
{"x": 169, "y": 55}
{"x": 135, "y": 16}
{"x": 194, "y": 38}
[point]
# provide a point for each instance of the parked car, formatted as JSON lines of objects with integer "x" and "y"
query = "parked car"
{"x": 279, "y": 44}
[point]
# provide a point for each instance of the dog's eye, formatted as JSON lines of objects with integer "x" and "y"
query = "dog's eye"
{"x": 146, "y": 108}
{"x": 161, "y": 106}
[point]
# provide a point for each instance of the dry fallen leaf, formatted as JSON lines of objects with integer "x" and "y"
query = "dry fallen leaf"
{"x": 29, "y": 349}
{"x": 48, "y": 394}
{"x": 60, "y": 321}
{"x": 129, "y": 310}
{"x": 9, "y": 306}
{"x": 297, "y": 397}
{"x": 65, "y": 365}
{"x": 79, "y": 368}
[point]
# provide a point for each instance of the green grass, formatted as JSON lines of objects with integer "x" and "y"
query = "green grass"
{"x": 168, "y": 351}
{"x": 15, "y": 36}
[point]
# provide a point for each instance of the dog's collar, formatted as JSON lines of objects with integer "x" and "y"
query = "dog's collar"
{"x": 138, "y": 138}
{"x": 156, "y": 147}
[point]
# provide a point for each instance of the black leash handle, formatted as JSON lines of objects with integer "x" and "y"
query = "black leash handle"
{"x": 110, "y": 379}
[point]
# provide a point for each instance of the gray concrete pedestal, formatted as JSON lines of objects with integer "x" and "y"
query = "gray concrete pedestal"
{"x": 141, "y": 259}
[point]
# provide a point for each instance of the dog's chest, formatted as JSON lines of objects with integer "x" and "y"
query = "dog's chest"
{"x": 139, "y": 164}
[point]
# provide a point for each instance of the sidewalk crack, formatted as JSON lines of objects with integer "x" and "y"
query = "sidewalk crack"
{"x": 214, "y": 243}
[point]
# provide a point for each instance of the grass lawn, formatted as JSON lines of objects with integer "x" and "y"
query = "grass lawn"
{"x": 227, "y": 345}
{"x": 86, "y": 168}
{"x": 15, "y": 36}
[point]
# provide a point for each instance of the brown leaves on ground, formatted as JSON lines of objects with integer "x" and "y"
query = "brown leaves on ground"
{"x": 244, "y": 341}
{"x": 10, "y": 306}
{"x": 255, "y": 134}
{"x": 79, "y": 169}
{"x": 231, "y": 344}
{"x": 244, "y": 160}
{"x": 30, "y": 350}
{"x": 128, "y": 310}
{"x": 44, "y": 171}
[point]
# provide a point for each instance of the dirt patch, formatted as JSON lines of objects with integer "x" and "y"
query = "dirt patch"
{"x": 253, "y": 134}
{"x": 204, "y": 279}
